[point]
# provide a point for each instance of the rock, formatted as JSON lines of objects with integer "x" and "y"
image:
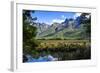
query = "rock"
{"x": 51, "y": 58}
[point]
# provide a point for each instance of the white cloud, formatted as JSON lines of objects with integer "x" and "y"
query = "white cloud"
{"x": 63, "y": 17}
{"x": 76, "y": 15}
{"x": 57, "y": 20}
{"x": 48, "y": 23}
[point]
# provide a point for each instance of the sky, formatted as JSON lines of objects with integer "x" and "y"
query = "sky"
{"x": 50, "y": 17}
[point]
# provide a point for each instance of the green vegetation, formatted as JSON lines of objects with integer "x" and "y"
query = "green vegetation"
{"x": 64, "y": 49}
{"x": 29, "y": 33}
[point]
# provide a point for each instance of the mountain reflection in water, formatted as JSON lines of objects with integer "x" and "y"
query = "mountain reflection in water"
{"x": 41, "y": 59}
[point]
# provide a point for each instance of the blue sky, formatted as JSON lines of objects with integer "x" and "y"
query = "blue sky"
{"x": 52, "y": 16}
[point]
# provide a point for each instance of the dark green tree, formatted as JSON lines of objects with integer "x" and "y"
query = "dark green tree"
{"x": 87, "y": 23}
{"x": 29, "y": 32}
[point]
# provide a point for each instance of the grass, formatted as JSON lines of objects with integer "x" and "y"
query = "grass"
{"x": 56, "y": 43}
{"x": 64, "y": 49}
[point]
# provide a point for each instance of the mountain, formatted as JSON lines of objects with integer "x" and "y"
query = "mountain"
{"x": 69, "y": 29}
{"x": 41, "y": 27}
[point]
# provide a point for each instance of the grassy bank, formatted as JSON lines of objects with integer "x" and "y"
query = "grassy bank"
{"x": 64, "y": 49}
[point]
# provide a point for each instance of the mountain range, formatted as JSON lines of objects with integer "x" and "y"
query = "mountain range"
{"x": 69, "y": 29}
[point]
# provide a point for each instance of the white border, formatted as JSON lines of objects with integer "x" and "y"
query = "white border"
{"x": 17, "y": 38}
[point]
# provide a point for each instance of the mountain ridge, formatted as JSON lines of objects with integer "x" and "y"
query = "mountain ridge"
{"x": 70, "y": 28}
